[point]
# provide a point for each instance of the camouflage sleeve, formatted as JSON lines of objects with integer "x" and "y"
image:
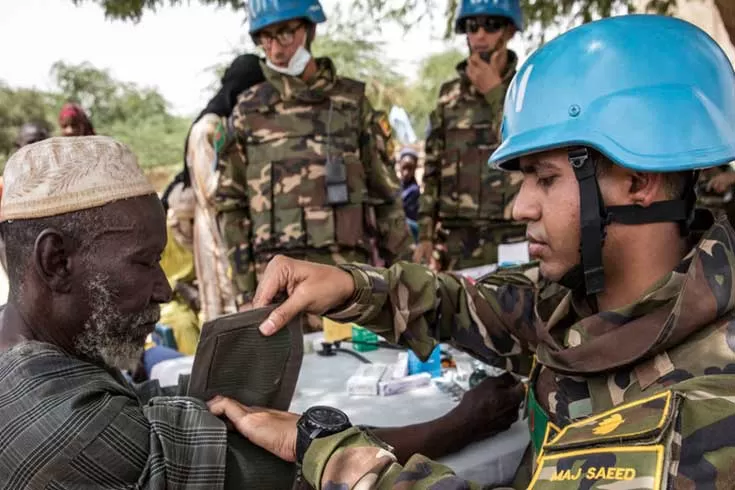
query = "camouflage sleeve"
{"x": 492, "y": 320}
{"x": 496, "y": 98}
{"x": 355, "y": 459}
{"x": 384, "y": 188}
{"x": 429, "y": 200}
{"x": 233, "y": 215}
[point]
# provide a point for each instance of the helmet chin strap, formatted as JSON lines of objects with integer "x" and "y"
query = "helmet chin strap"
{"x": 594, "y": 217}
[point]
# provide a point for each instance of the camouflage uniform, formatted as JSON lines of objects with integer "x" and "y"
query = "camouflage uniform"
{"x": 469, "y": 202}
{"x": 668, "y": 378}
{"x": 272, "y": 191}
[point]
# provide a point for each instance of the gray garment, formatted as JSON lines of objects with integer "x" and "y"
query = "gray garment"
{"x": 69, "y": 424}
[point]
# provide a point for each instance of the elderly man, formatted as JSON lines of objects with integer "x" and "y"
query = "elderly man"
{"x": 85, "y": 233}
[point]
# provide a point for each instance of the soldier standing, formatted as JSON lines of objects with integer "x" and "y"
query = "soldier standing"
{"x": 465, "y": 206}
{"x": 310, "y": 173}
{"x": 628, "y": 341}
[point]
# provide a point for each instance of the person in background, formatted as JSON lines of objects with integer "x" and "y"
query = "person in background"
{"x": 214, "y": 281}
{"x": 31, "y": 132}
{"x": 73, "y": 121}
{"x": 464, "y": 210}
{"x": 306, "y": 166}
{"x": 410, "y": 190}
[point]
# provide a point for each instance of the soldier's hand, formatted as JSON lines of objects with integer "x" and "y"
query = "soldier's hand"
{"x": 486, "y": 76}
{"x": 311, "y": 288}
{"x": 422, "y": 254}
{"x": 722, "y": 182}
{"x": 273, "y": 430}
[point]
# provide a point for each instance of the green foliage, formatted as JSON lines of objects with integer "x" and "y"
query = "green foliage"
{"x": 133, "y": 9}
{"x": 540, "y": 14}
{"x": 18, "y": 107}
{"x": 135, "y": 115}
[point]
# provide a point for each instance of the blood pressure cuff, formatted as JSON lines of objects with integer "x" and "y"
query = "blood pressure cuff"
{"x": 234, "y": 359}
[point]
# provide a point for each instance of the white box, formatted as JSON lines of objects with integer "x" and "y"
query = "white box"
{"x": 365, "y": 380}
{"x": 402, "y": 385}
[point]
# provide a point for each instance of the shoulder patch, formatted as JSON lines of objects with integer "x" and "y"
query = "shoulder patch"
{"x": 624, "y": 448}
{"x": 220, "y": 138}
{"x": 384, "y": 125}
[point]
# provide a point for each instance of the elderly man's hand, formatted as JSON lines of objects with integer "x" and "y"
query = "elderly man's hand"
{"x": 272, "y": 430}
{"x": 490, "y": 407}
{"x": 311, "y": 288}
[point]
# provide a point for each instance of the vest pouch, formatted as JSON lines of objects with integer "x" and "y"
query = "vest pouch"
{"x": 349, "y": 225}
{"x": 448, "y": 185}
{"x": 336, "y": 180}
{"x": 626, "y": 447}
{"x": 470, "y": 184}
{"x": 319, "y": 223}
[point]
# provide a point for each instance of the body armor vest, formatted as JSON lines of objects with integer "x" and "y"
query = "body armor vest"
{"x": 469, "y": 188}
{"x": 296, "y": 148}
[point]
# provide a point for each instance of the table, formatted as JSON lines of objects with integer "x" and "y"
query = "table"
{"x": 323, "y": 381}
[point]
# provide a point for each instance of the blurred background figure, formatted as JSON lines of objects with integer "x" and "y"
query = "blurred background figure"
{"x": 410, "y": 191}
{"x": 73, "y": 121}
{"x": 31, "y": 132}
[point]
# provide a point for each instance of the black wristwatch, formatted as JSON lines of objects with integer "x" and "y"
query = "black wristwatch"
{"x": 318, "y": 422}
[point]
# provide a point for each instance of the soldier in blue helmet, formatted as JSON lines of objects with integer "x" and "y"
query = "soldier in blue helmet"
{"x": 465, "y": 206}
{"x": 305, "y": 164}
{"x": 624, "y": 322}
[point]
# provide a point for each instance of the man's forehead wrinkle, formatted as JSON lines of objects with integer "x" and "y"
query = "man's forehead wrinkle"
{"x": 112, "y": 230}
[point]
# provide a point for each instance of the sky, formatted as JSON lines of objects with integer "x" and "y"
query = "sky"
{"x": 170, "y": 50}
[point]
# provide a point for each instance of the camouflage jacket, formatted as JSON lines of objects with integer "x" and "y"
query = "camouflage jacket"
{"x": 272, "y": 192}
{"x": 464, "y": 129}
{"x": 677, "y": 342}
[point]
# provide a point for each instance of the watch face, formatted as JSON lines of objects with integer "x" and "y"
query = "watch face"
{"x": 328, "y": 417}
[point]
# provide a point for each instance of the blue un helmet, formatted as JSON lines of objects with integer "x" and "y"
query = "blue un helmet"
{"x": 510, "y": 9}
{"x": 670, "y": 110}
{"x": 263, "y": 13}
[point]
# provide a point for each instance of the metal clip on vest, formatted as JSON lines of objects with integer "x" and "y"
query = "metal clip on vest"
{"x": 336, "y": 178}
{"x": 336, "y": 173}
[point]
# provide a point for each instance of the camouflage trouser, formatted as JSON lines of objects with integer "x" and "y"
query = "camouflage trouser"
{"x": 328, "y": 257}
{"x": 465, "y": 245}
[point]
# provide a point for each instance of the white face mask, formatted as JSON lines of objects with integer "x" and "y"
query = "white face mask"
{"x": 296, "y": 65}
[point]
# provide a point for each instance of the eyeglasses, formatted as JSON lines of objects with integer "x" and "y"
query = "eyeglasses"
{"x": 284, "y": 35}
{"x": 489, "y": 24}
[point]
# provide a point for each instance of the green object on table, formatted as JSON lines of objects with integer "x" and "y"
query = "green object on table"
{"x": 363, "y": 340}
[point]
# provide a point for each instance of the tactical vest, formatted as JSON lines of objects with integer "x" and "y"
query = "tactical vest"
{"x": 469, "y": 188}
{"x": 288, "y": 143}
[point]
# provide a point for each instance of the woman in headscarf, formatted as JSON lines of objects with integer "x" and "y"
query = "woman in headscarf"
{"x": 73, "y": 121}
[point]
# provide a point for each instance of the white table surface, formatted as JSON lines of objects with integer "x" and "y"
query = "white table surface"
{"x": 323, "y": 381}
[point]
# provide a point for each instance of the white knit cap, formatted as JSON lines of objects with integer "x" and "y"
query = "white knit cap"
{"x": 65, "y": 174}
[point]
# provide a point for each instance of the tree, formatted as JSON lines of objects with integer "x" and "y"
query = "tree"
{"x": 434, "y": 70}
{"x": 133, "y": 9}
{"x": 540, "y": 14}
{"x": 18, "y": 107}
